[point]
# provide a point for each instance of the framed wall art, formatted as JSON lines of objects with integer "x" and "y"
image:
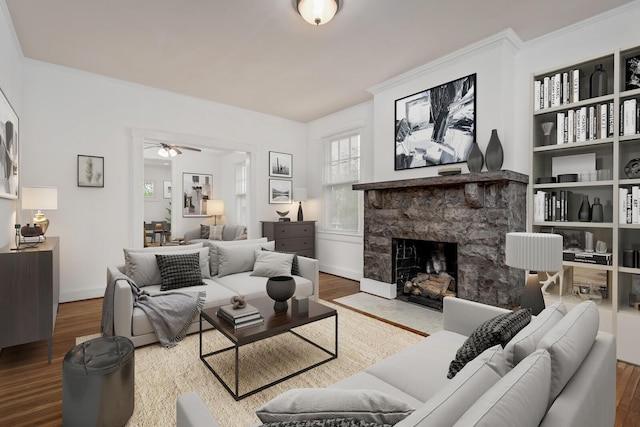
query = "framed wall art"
{"x": 166, "y": 189}
{"x": 436, "y": 126}
{"x": 280, "y": 191}
{"x": 8, "y": 150}
{"x": 149, "y": 187}
{"x": 280, "y": 164}
{"x": 90, "y": 171}
{"x": 197, "y": 188}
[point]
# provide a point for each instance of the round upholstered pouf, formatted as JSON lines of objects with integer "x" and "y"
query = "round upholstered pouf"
{"x": 98, "y": 383}
{"x": 280, "y": 289}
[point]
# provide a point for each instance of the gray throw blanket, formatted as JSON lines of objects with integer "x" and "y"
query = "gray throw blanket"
{"x": 170, "y": 313}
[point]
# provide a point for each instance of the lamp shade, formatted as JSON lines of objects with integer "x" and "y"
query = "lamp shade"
{"x": 215, "y": 207}
{"x": 299, "y": 194}
{"x": 40, "y": 198}
{"x": 317, "y": 12}
{"x": 534, "y": 251}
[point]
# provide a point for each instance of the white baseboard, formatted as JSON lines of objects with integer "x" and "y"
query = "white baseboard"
{"x": 381, "y": 289}
{"x": 342, "y": 272}
{"x": 68, "y": 296}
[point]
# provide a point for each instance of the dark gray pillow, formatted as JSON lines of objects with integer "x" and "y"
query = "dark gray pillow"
{"x": 330, "y": 422}
{"x": 204, "y": 231}
{"x": 179, "y": 271}
{"x": 497, "y": 330}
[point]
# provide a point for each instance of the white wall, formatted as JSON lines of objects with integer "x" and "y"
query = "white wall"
{"x": 155, "y": 207}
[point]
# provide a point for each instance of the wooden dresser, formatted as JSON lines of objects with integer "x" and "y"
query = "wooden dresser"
{"x": 298, "y": 236}
{"x": 29, "y": 293}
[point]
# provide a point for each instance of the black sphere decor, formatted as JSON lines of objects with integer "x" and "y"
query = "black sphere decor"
{"x": 280, "y": 289}
{"x": 494, "y": 156}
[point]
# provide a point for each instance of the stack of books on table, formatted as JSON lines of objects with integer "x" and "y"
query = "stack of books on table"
{"x": 241, "y": 317}
{"x": 587, "y": 257}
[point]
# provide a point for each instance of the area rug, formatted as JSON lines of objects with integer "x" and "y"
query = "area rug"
{"x": 161, "y": 375}
{"x": 408, "y": 315}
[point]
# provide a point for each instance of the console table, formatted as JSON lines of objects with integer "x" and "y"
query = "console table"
{"x": 29, "y": 293}
{"x": 298, "y": 236}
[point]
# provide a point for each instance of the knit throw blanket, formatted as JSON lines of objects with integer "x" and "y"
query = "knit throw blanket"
{"x": 170, "y": 313}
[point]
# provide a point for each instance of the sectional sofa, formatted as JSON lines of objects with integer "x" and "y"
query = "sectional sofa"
{"x": 557, "y": 371}
{"x": 228, "y": 268}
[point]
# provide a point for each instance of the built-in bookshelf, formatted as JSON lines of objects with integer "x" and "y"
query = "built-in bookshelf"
{"x": 583, "y": 136}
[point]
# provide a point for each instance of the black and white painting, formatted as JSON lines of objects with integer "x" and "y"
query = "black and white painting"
{"x": 280, "y": 164}
{"x": 436, "y": 126}
{"x": 197, "y": 188}
{"x": 632, "y": 73}
{"x": 90, "y": 171}
{"x": 8, "y": 150}
{"x": 280, "y": 191}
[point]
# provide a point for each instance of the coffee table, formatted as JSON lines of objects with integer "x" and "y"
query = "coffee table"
{"x": 275, "y": 323}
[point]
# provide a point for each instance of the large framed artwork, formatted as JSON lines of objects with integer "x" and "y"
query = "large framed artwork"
{"x": 436, "y": 126}
{"x": 197, "y": 188}
{"x": 280, "y": 191}
{"x": 90, "y": 171}
{"x": 8, "y": 150}
{"x": 280, "y": 164}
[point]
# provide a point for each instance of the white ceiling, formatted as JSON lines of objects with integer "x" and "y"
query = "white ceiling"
{"x": 260, "y": 55}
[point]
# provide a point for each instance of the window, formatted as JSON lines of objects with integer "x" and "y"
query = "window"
{"x": 241, "y": 193}
{"x": 342, "y": 170}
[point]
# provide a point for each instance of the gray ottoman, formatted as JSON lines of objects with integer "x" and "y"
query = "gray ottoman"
{"x": 98, "y": 383}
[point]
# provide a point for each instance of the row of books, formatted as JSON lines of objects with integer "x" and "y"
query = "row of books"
{"x": 585, "y": 124}
{"x": 629, "y": 117}
{"x": 556, "y": 90}
{"x": 241, "y": 317}
{"x": 587, "y": 257}
{"x": 551, "y": 205}
{"x": 629, "y": 199}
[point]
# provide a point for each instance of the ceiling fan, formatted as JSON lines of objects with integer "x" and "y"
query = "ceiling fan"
{"x": 169, "y": 150}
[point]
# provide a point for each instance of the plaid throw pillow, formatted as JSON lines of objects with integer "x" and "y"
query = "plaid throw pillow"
{"x": 497, "y": 330}
{"x": 179, "y": 271}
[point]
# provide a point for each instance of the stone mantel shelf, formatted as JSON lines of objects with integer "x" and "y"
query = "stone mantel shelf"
{"x": 447, "y": 180}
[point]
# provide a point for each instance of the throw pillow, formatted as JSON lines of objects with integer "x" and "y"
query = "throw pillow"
{"x": 270, "y": 264}
{"x": 214, "y": 244}
{"x": 322, "y": 403}
{"x": 215, "y": 232}
{"x": 152, "y": 250}
{"x": 204, "y": 231}
{"x": 497, "y": 330}
{"x": 525, "y": 341}
{"x": 179, "y": 271}
{"x": 327, "y": 422}
{"x": 295, "y": 266}
{"x": 519, "y": 399}
{"x": 142, "y": 266}
{"x": 239, "y": 257}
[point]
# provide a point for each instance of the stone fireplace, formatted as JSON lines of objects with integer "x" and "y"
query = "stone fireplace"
{"x": 473, "y": 211}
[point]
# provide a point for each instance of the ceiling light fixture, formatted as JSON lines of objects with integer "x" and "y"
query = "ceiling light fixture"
{"x": 317, "y": 12}
{"x": 167, "y": 151}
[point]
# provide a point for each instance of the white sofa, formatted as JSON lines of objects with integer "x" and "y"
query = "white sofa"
{"x": 238, "y": 258}
{"x": 563, "y": 375}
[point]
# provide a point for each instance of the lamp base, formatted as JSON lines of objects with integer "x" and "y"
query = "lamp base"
{"x": 532, "y": 295}
{"x": 42, "y": 221}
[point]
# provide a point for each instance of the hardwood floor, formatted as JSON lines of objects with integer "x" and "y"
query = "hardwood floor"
{"x": 31, "y": 390}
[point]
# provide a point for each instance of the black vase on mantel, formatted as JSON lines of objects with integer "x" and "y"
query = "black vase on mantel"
{"x": 475, "y": 159}
{"x": 494, "y": 156}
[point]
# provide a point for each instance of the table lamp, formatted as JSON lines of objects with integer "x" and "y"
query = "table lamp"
{"x": 215, "y": 208}
{"x": 534, "y": 252}
{"x": 40, "y": 198}
{"x": 300, "y": 195}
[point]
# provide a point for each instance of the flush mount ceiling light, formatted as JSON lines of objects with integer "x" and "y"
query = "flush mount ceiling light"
{"x": 317, "y": 12}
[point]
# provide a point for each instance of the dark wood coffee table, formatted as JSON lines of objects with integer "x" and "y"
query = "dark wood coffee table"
{"x": 275, "y": 323}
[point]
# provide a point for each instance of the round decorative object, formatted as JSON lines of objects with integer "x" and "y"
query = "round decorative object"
{"x": 568, "y": 177}
{"x": 475, "y": 159}
{"x": 632, "y": 169}
{"x": 280, "y": 289}
{"x": 494, "y": 156}
{"x": 238, "y": 302}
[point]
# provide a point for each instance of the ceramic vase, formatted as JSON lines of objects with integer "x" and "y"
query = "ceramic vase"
{"x": 584, "y": 214}
{"x": 597, "y": 212}
{"x": 280, "y": 289}
{"x": 475, "y": 159}
{"x": 598, "y": 82}
{"x": 494, "y": 155}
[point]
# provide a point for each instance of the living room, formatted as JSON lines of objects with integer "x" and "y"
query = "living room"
{"x": 65, "y": 112}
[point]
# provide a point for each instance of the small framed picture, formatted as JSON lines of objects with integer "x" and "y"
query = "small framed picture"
{"x": 632, "y": 73}
{"x": 280, "y": 164}
{"x": 280, "y": 191}
{"x": 90, "y": 171}
{"x": 149, "y": 187}
{"x": 166, "y": 189}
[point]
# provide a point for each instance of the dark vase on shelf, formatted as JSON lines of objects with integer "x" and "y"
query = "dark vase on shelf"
{"x": 494, "y": 155}
{"x": 584, "y": 214}
{"x": 597, "y": 212}
{"x": 598, "y": 82}
{"x": 475, "y": 159}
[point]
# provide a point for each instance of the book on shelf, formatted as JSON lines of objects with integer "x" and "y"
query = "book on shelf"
{"x": 603, "y": 111}
{"x": 622, "y": 208}
{"x": 628, "y": 117}
{"x": 611, "y": 120}
{"x": 565, "y": 88}
{"x": 575, "y": 85}
{"x": 545, "y": 92}
{"x": 635, "y": 204}
{"x": 560, "y": 128}
{"x": 31, "y": 239}
{"x": 537, "y": 103}
{"x": 629, "y": 205}
{"x": 587, "y": 257}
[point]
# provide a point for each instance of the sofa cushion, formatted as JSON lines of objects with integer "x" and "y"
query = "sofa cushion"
{"x": 447, "y": 405}
{"x": 238, "y": 258}
{"x": 325, "y": 422}
{"x": 568, "y": 342}
{"x": 215, "y": 232}
{"x": 325, "y": 403}
{"x": 255, "y": 286}
{"x": 270, "y": 264}
{"x": 214, "y": 245}
{"x": 519, "y": 399}
{"x": 497, "y": 330}
{"x": 234, "y": 232}
{"x": 364, "y": 380}
{"x": 525, "y": 341}
{"x": 141, "y": 265}
{"x": 179, "y": 270}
